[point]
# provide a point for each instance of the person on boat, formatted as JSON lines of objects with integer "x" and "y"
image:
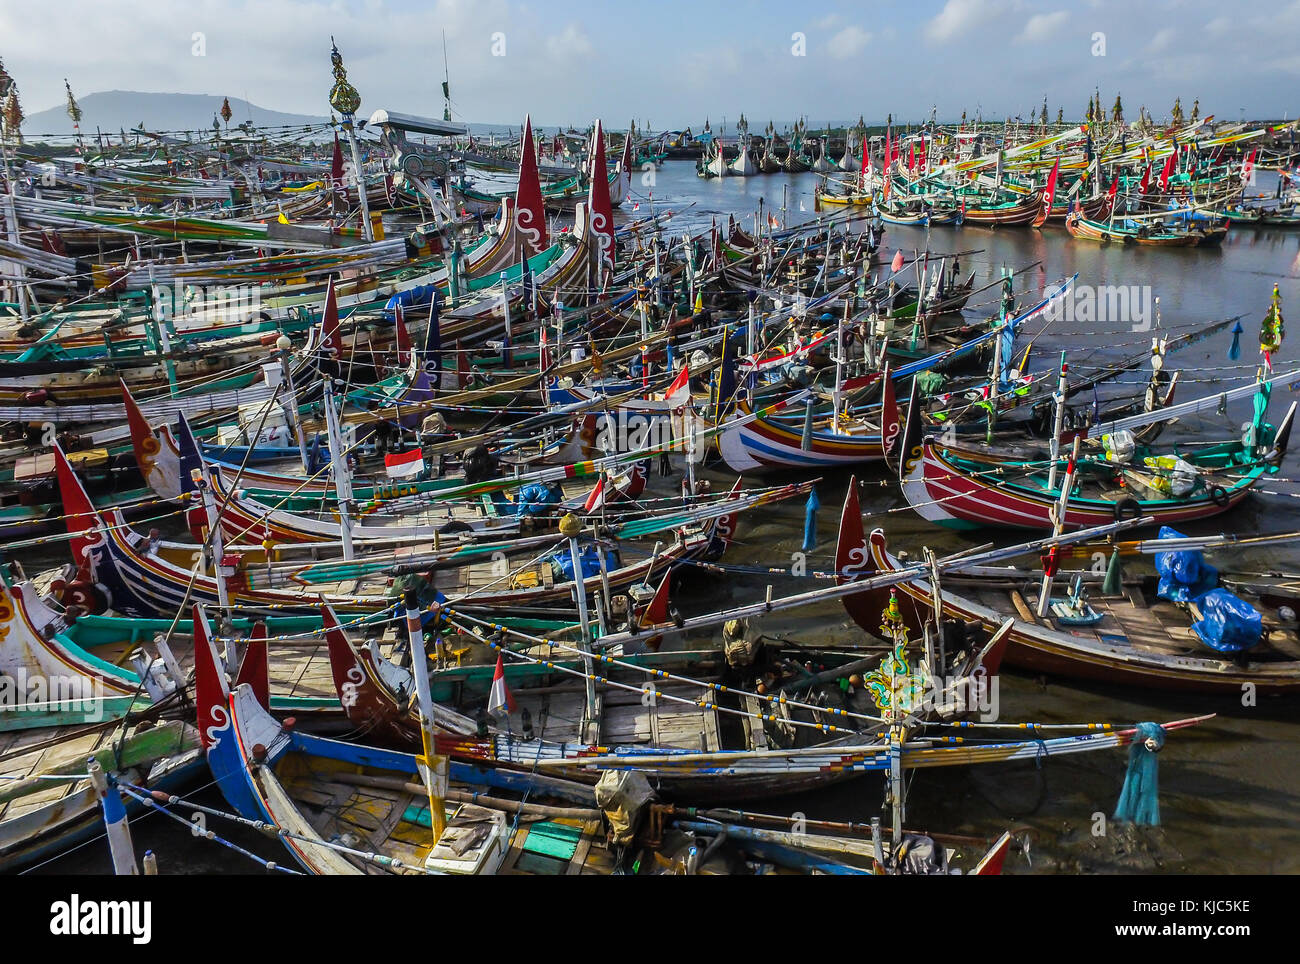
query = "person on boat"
{"x": 538, "y": 498}
{"x": 703, "y": 321}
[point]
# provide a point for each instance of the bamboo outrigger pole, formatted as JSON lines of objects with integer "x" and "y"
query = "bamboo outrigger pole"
{"x": 570, "y": 527}
{"x": 433, "y": 768}
{"x": 339, "y": 470}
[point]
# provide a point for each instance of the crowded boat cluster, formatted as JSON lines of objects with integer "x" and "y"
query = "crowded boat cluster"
{"x": 1180, "y": 183}
{"x": 373, "y": 476}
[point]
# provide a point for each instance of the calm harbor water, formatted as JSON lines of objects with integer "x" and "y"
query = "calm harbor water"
{"x": 1228, "y": 788}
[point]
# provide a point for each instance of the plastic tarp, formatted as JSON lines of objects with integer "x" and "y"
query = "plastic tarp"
{"x": 535, "y": 499}
{"x": 1185, "y": 576}
{"x": 1228, "y": 623}
{"x": 920, "y": 855}
{"x": 623, "y": 795}
{"x": 929, "y": 383}
{"x": 562, "y": 561}
{"x": 419, "y": 296}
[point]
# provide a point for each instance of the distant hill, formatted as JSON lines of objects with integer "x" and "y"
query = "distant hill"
{"x": 114, "y": 110}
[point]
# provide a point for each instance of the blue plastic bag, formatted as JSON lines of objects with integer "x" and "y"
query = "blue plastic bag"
{"x": 1184, "y": 566}
{"x": 1229, "y": 624}
{"x": 562, "y": 561}
{"x": 1185, "y": 576}
{"x": 535, "y": 498}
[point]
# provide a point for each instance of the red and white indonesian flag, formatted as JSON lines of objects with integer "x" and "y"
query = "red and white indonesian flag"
{"x": 595, "y": 498}
{"x": 679, "y": 392}
{"x": 500, "y": 701}
{"x": 404, "y": 464}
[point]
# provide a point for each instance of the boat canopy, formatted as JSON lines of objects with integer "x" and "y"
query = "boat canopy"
{"x": 420, "y": 125}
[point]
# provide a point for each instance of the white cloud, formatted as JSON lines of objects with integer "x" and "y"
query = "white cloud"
{"x": 1042, "y": 26}
{"x": 573, "y": 42}
{"x": 848, "y": 42}
{"x": 1162, "y": 39}
{"x": 958, "y": 16}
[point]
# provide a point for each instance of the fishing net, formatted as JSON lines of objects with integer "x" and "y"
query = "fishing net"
{"x": 1139, "y": 799}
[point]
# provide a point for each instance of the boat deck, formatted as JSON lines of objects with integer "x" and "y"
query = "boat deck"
{"x": 1148, "y": 625}
{"x": 26, "y": 753}
{"x": 42, "y": 771}
{"x": 376, "y": 814}
{"x": 624, "y": 720}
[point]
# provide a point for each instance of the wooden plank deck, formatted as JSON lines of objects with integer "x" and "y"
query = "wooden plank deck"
{"x": 1157, "y": 630}
{"x": 24, "y": 753}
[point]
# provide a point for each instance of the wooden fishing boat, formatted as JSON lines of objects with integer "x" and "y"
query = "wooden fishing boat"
{"x": 823, "y": 164}
{"x": 1141, "y": 640}
{"x": 329, "y": 799}
{"x": 1155, "y": 235}
{"x": 744, "y": 164}
{"x": 342, "y": 808}
{"x": 918, "y": 214}
{"x": 104, "y": 667}
{"x": 795, "y": 162}
{"x": 143, "y": 576}
{"x": 678, "y": 720}
{"x": 1280, "y": 216}
{"x": 806, "y": 442}
{"x": 379, "y": 694}
{"x": 47, "y": 802}
{"x": 970, "y": 487}
{"x": 847, "y": 198}
{"x": 1007, "y": 213}
{"x": 1093, "y": 208}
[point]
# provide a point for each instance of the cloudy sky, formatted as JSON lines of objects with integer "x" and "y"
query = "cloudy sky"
{"x": 671, "y": 61}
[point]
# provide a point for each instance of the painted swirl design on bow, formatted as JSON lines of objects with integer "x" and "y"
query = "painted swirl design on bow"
{"x": 526, "y": 224}
{"x": 854, "y": 569}
{"x": 910, "y": 458}
{"x": 220, "y": 723}
{"x": 603, "y": 234}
